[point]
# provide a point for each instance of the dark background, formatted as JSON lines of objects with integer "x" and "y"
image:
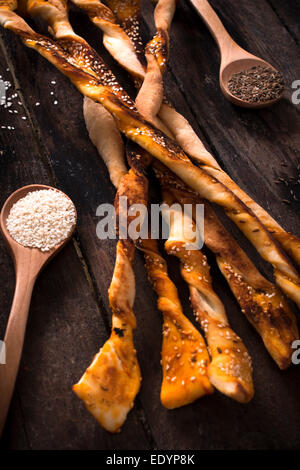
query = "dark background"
{"x": 69, "y": 315}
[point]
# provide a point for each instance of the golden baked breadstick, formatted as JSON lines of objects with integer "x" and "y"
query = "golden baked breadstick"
{"x": 230, "y": 370}
{"x": 105, "y": 135}
{"x": 184, "y": 355}
{"x": 127, "y": 13}
{"x": 115, "y": 39}
{"x": 263, "y": 304}
{"x": 76, "y": 59}
{"x": 151, "y": 93}
{"x": 109, "y": 385}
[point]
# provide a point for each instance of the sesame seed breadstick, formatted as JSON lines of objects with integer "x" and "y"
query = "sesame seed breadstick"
{"x": 184, "y": 355}
{"x": 105, "y": 135}
{"x": 230, "y": 370}
{"x": 262, "y": 303}
{"x": 127, "y": 15}
{"x": 110, "y": 384}
{"x": 115, "y": 39}
{"x": 184, "y": 363}
{"x": 74, "y": 57}
{"x": 151, "y": 93}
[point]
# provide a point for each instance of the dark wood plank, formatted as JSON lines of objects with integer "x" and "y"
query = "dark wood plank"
{"x": 288, "y": 13}
{"x": 65, "y": 329}
{"x": 15, "y": 436}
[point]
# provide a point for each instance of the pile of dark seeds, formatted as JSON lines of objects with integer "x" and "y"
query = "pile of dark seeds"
{"x": 257, "y": 85}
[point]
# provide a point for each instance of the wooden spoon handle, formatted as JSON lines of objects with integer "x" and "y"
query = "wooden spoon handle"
{"x": 214, "y": 24}
{"x": 14, "y": 339}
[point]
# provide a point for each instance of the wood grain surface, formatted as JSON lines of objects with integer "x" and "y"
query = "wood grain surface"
{"x": 69, "y": 316}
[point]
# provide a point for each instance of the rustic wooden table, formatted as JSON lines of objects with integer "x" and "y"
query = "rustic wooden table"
{"x": 46, "y": 142}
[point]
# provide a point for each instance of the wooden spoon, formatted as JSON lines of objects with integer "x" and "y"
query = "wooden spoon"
{"x": 28, "y": 264}
{"x": 234, "y": 59}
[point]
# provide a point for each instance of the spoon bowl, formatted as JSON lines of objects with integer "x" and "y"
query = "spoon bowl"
{"x": 241, "y": 64}
{"x": 234, "y": 59}
{"x": 37, "y": 258}
{"x": 28, "y": 264}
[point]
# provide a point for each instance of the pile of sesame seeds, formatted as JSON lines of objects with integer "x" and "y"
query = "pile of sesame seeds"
{"x": 41, "y": 219}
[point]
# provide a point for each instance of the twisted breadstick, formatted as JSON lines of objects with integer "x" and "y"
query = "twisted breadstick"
{"x": 184, "y": 361}
{"x": 230, "y": 370}
{"x": 262, "y": 303}
{"x": 74, "y": 57}
{"x": 115, "y": 39}
{"x": 184, "y": 355}
{"x": 127, "y": 16}
{"x": 156, "y": 52}
{"x": 106, "y": 137}
{"x": 109, "y": 385}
